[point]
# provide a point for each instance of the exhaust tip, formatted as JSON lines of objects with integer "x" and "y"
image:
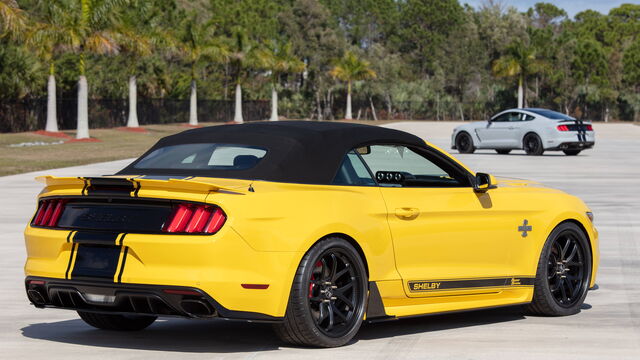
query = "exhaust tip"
{"x": 196, "y": 308}
{"x": 35, "y": 297}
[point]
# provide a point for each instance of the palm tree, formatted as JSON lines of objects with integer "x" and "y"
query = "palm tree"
{"x": 139, "y": 34}
{"x": 279, "y": 59}
{"x": 520, "y": 61}
{"x": 49, "y": 35}
{"x": 243, "y": 56}
{"x": 198, "y": 42}
{"x": 12, "y": 19}
{"x": 350, "y": 68}
{"x": 82, "y": 27}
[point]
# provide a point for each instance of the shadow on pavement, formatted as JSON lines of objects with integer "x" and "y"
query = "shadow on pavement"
{"x": 219, "y": 336}
{"x": 434, "y": 323}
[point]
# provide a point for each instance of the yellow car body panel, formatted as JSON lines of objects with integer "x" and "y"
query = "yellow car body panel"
{"x": 419, "y": 236}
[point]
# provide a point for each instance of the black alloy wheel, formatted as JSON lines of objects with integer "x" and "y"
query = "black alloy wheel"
{"x": 533, "y": 144}
{"x": 328, "y": 297}
{"x": 464, "y": 143}
{"x": 564, "y": 272}
{"x": 565, "y": 269}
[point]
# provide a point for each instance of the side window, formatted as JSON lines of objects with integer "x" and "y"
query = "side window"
{"x": 353, "y": 172}
{"x": 515, "y": 116}
{"x": 395, "y": 165}
{"x": 528, "y": 117}
{"x": 501, "y": 118}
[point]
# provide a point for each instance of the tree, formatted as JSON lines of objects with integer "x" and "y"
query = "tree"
{"x": 243, "y": 56}
{"x": 590, "y": 69}
{"x": 350, "y": 68}
{"x": 83, "y": 27}
{"x": 546, "y": 14}
{"x": 12, "y": 19}
{"x": 425, "y": 26}
{"x": 307, "y": 25}
{"x": 278, "y": 59}
{"x": 49, "y": 35}
{"x": 631, "y": 78}
{"x": 518, "y": 61}
{"x": 197, "y": 42}
{"x": 141, "y": 31}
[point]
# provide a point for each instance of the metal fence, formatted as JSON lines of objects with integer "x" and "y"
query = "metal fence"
{"x": 30, "y": 115}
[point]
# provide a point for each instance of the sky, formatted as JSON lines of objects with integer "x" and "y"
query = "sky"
{"x": 572, "y": 7}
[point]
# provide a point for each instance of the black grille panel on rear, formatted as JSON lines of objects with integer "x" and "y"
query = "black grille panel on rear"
{"x": 118, "y": 215}
{"x": 126, "y": 302}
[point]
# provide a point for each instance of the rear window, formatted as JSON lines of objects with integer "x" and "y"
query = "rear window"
{"x": 203, "y": 156}
{"x": 554, "y": 115}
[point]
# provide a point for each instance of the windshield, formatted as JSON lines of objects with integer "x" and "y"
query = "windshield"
{"x": 554, "y": 115}
{"x": 203, "y": 156}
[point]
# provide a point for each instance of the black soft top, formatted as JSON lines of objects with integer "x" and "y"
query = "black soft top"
{"x": 307, "y": 152}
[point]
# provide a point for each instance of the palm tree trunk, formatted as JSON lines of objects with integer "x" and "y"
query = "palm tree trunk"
{"x": 520, "y": 92}
{"x": 193, "y": 105}
{"x": 274, "y": 104}
{"x": 83, "y": 109}
{"x": 132, "y": 122}
{"x": 82, "y": 131}
{"x": 52, "y": 118}
{"x": 238, "y": 110}
{"x": 348, "y": 114}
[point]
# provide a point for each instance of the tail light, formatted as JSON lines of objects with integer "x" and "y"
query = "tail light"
{"x": 589, "y": 127}
{"x": 195, "y": 219}
{"x": 563, "y": 128}
{"x": 49, "y": 213}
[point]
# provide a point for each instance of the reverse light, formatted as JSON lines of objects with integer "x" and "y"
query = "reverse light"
{"x": 49, "y": 213}
{"x": 195, "y": 219}
{"x": 563, "y": 128}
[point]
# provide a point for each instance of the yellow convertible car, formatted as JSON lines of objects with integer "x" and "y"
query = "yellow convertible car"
{"x": 313, "y": 226}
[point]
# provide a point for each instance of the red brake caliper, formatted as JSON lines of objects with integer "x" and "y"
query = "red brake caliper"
{"x": 311, "y": 284}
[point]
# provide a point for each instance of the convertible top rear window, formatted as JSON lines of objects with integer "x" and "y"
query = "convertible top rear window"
{"x": 554, "y": 115}
{"x": 203, "y": 156}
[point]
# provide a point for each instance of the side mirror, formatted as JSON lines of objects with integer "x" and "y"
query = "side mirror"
{"x": 484, "y": 182}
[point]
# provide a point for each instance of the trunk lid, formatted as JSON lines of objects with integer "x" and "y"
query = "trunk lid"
{"x": 128, "y": 204}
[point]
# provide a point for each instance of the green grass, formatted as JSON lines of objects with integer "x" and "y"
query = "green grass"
{"x": 114, "y": 145}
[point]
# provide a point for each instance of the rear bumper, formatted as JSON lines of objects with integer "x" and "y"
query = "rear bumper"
{"x": 217, "y": 265}
{"x": 132, "y": 299}
{"x": 574, "y": 145}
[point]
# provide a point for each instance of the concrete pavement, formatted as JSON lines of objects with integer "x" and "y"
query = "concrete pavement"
{"x": 607, "y": 178}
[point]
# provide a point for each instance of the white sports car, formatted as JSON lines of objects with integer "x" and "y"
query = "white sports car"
{"x": 534, "y": 130}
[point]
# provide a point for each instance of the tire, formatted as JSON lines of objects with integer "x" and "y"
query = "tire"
{"x": 312, "y": 316}
{"x": 117, "y": 322}
{"x": 571, "y": 152}
{"x": 563, "y": 274}
{"x": 503, "y": 151}
{"x": 532, "y": 144}
{"x": 464, "y": 143}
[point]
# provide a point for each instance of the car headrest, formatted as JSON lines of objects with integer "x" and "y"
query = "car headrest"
{"x": 245, "y": 161}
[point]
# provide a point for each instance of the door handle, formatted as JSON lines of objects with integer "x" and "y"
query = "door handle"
{"x": 511, "y": 128}
{"x": 407, "y": 213}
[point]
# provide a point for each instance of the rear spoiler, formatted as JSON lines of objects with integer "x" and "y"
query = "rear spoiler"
{"x": 113, "y": 185}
